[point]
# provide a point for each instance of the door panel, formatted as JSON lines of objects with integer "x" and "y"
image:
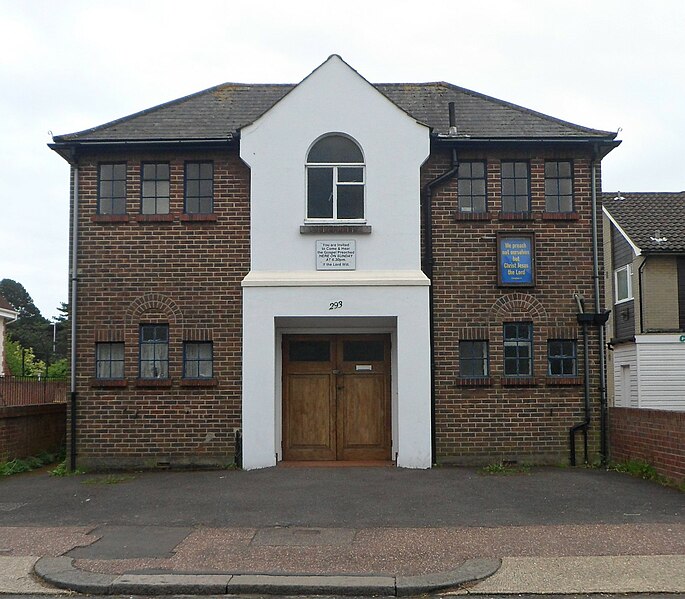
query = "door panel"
{"x": 310, "y": 416}
{"x": 363, "y": 422}
{"x": 336, "y": 397}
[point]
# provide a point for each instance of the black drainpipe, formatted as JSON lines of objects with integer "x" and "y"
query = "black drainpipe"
{"x": 583, "y": 320}
{"x": 427, "y": 206}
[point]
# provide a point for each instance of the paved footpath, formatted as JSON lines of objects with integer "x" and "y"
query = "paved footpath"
{"x": 381, "y": 531}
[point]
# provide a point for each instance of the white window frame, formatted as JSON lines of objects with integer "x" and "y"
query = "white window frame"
{"x": 628, "y": 269}
{"x": 335, "y": 166}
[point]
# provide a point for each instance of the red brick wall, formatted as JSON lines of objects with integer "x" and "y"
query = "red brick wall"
{"x": 183, "y": 273}
{"x": 653, "y": 436}
{"x": 188, "y": 274}
{"x": 30, "y": 430}
{"x": 499, "y": 420}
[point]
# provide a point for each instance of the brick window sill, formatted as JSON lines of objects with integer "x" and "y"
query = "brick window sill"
{"x": 559, "y": 381}
{"x": 560, "y": 216}
{"x": 198, "y": 382}
{"x": 155, "y": 383}
{"x": 515, "y": 216}
{"x": 108, "y": 383}
{"x": 154, "y": 218}
{"x": 524, "y": 381}
{"x": 343, "y": 229}
{"x": 198, "y": 218}
{"x": 474, "y": 216}
{"x": 110, "y": 218}
{"x": 466, "y": 382}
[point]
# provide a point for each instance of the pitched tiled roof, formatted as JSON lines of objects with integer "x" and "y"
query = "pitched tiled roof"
{"x": 654, "y": 222}
{"x": 220, "y": 112}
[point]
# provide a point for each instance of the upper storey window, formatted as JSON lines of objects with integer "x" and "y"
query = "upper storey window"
{"x": 112, "y": 189}
{"x": 558, "y": 186}
{"x": 515, "y": 186}
{"x": 335, "y": 180}
{"x": 154, "y": 189}
{"x": 199, "y": 192}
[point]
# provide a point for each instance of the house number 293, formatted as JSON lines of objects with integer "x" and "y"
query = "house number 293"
{"x": 335, "y": 305}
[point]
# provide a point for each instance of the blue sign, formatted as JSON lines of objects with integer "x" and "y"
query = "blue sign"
{"x": 516, "y": 260}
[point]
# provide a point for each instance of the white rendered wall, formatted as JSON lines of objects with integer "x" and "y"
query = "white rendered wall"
{"x": 335, "y": 99}
{"x": 261, "y": 368}
{"x": 387, "y": 282}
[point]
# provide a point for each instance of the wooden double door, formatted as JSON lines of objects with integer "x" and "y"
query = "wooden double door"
{"x": 336, "y": 397}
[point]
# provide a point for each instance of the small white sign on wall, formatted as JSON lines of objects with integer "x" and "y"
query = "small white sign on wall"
{"x": 336, "y": 255}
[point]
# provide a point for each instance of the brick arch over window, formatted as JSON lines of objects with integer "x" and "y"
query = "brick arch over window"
{"x": 518, "y": 305}
{"x": 154, "y": 305}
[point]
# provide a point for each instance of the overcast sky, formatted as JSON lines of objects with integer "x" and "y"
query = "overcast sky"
{"x": 69, "y": 65}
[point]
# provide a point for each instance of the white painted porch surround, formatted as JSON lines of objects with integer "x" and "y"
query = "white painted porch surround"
{"x": 284, "y": 285}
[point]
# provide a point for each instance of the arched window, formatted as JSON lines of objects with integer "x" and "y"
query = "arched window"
{"x": 335, "y": 180}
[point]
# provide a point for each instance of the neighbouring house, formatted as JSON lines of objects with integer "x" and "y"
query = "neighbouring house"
{"x": 7, "y": 314}
{"x": 644, "y": 246}
{"x": 334, "y": 270}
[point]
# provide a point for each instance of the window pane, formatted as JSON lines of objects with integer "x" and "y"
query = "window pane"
{"x": 464, "y": 169}
{"x": 205, "y": 369}
{"x": 521, "y": 169}
{"x": 119, "y": 171}
{"x": 148, "y": 189}
{"x": 163, "y": 206}
{"x": 565, "y": 187}
{"x": 205, "y": 206}
{"x": 478, "y": 169}
{"x": 351, "y": 174}
{"x": 565, "y": 169}
{"x": 464, "y": 187}
{"x": 320, "y": 193}
{"x": 205, "y": 188}
{"x": 191, "y": 351}
{"x": 350, "y": 201}
{"x": 335, "y": 149}
{"x": 363, "y": 351}
{"x": 478, "y": 187}
{"x": 551, "y": 169}
{"x": 206, "y": 170}
{"x": 622, "y": 284}
{"x": 192, "y": 170}
{"x": 162, "y": 171}
{"x": 551, "y": 186}
{"x": 119, "y": 189}
{"x": 192, "y": 189}
{"x": 191, "y": 369}
{"x": 117, "y": 370}
{"x": 204, "y": 351}
{"x": 309, "y": 351}
{"x": 106, "y": 172}
{"x": 507, "y": 169}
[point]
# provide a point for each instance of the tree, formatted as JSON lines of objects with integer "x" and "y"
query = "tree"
{"x": 32, "y": 331}
{"x": 21, "y": 301}
{"x": 21, "y": 361}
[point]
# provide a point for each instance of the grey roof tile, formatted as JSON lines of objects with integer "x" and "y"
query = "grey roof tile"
{"x": 220, "y": 112}
{"x": 648, "y": 217}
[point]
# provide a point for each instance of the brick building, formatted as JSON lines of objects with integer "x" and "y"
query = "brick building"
{"x": 337, "y": 270}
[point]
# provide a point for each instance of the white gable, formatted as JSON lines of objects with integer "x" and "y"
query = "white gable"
{"x": 335, "y": 99}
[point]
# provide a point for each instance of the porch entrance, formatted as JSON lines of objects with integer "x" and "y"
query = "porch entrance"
{"x": 336, "y": 397}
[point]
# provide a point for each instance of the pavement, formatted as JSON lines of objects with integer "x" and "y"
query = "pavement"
{"x": 341, "y": 531}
